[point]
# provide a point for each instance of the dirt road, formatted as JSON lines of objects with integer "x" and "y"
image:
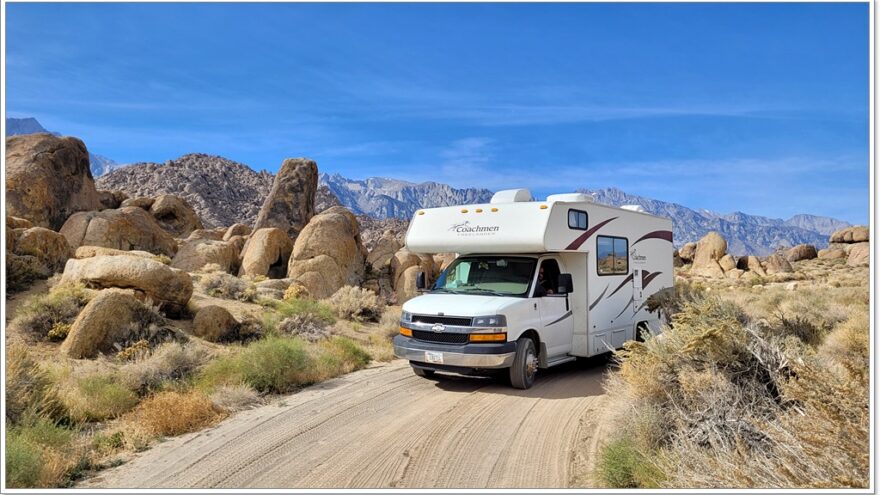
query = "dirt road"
{"x": 384, "y": 427}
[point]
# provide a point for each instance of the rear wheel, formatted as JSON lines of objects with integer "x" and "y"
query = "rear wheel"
{"x": 423, "y": 372}
{"x": 525, "y": 364}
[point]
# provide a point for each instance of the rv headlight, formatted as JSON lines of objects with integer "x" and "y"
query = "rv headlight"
{"x": 490, "y": 321}
{"x": 406, "y": 317}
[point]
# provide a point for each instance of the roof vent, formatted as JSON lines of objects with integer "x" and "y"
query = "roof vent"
{"x": 570, "y": 198}
{"x": 511, "y": 196}
{"x": 637, "y": 208}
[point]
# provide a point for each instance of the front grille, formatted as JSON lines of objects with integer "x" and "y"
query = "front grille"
{"x": 440, "y": 338}
{"x": 446, "y": 320}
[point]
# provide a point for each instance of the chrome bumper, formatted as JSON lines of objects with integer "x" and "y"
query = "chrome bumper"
{"x": 486, "y": 356}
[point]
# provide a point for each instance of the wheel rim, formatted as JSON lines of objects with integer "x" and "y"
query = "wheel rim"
{"x": 531, "y": 365}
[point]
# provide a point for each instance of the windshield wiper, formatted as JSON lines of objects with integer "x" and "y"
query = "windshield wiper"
{"x": 443, "y": 290}
{"x": 484, "y": 291}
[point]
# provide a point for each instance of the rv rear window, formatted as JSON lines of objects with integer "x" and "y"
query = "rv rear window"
{"x": 612, "y": 255}
{"x": 577, "y": 219}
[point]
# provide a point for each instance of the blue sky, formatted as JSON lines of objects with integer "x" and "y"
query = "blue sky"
{"x": 728, "y": 107}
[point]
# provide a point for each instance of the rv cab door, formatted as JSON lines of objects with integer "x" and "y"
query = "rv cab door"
{"x": 556, "y": 315}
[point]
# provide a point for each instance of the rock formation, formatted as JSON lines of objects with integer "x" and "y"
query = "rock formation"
{"x": 48, "y": 179}
{"x": 266, "y": 253}
{"x": 126, "y": 229}
{"x": 291, "y": 202}
{"x": 328, "y": 253}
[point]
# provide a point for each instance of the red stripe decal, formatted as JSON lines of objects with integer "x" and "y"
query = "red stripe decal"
{"x": 666, "y": 235}
{"x": 647, "y": 278}
{"x": 627, "y": 279}
{"x": 586, "y": 235}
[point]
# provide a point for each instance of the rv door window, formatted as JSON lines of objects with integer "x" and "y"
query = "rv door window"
{"x": 612, "y": 255}
{"x": 487, "y": 275}
{"x": 577, "y": 219}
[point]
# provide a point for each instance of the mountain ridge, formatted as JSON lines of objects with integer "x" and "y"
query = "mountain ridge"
{"x": 224, "y": 192}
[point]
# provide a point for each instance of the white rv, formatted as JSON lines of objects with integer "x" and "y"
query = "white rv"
{"x": 534, "y": 283}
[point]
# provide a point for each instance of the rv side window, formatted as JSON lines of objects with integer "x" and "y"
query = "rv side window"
{"x": 577, "y": 219}
{"x": 612, "y": 255}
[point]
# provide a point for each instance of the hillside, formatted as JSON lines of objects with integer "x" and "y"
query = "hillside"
{"x": 98, "y": 164}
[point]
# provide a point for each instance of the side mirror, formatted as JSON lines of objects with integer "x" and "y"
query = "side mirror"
{"x": 565, "y": 284}
{"x": 421, "y": 283}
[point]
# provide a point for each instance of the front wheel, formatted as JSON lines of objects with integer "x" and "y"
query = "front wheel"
{"x": 525, "y": 364}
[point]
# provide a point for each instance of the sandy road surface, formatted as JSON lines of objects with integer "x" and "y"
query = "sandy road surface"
{"x": 385, "y": 427}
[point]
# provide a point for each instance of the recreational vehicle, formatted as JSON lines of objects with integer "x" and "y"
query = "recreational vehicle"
{"x": 534, "y": 283}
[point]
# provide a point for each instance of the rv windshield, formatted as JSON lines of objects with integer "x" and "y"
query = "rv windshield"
{"x": 487, "y": 275}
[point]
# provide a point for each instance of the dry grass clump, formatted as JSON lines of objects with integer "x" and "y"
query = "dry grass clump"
{"x": 355, "y": 303}
{"x": 170, "y": 361}
{"x": 30, "y": 391}
{"x": 225, "y": 286}
{"x": 235, "y": 397}
{"x": 772, "y": 396}
{"x": 40, "y": 450}
{"x": 51, "y": 313}
{"x": 306, "y": 326}
{"x": 175, "y": 413}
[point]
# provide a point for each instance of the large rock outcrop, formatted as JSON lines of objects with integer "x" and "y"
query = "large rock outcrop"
{"x": 128, "y": 228}
{"x": 48, "y": 179}
{"x": 193, "y": 255}
{"x": 175, "y": 215}
{"x": 859, "y": 254}
{"x": 709, "y": 250}
{"x": 850, "y": 234}
{"x": 752, "y": 264}
{"x": 291, "y": 202}
{"x": 379, "y": 258}
{"x": 266, "y": 253}
{"x": 101, "y": 323}
{"x": 328, "y": 253}
{"x": 151, "y": 280}
{"x": 777, "y": 264}
{"x": 801, "y": 252}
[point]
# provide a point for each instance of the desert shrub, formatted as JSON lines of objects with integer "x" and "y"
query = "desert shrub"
{"x": 223, "y": 285}
{"x": 355, "y": 303}
{"x": 170, "y": 361}
{"x": 97, "y": 398}
{"x": 390, "y": 321}
{"x": 622, "y": 465}
{"x": 723, "y": 400}
{"x": 317, "y": 312}
{"x": 273, "y": 364}
{"x": 235, "y": 397}
{"x": 29, "y": 388}
{"x": 22, "y": 271}
{"x": 338, "y": 356}
{"x": 174, "y": 413}
{"x": 296, "y": 291}
{"x": 668, "y": 302}
{"x": 41, "y": 454}
{"x": 24, "y": 461}
{"x": 306, "y": 326}
{"x": 39, "y": 315}
{"x": 161, "y": 258}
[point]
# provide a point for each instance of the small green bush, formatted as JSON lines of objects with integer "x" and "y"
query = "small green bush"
{"x": 273, "y": 364}
{"x": 24, "y": 461}
{"x": 97, "y": 398}
{"x": 618, "y": 461}
{"x": 338, "y": 356}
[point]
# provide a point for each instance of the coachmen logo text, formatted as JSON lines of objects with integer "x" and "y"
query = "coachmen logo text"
{"x": 466, "y": 228}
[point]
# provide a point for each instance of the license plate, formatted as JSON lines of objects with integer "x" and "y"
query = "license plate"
{"x": 433, "y": 357}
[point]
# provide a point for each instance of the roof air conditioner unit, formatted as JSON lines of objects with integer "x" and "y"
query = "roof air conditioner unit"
{"x": 511, "y": 196}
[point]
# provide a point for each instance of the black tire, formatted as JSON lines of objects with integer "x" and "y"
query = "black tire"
{"x": 525, "y": 364}
{"x": 423, "y": 372}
